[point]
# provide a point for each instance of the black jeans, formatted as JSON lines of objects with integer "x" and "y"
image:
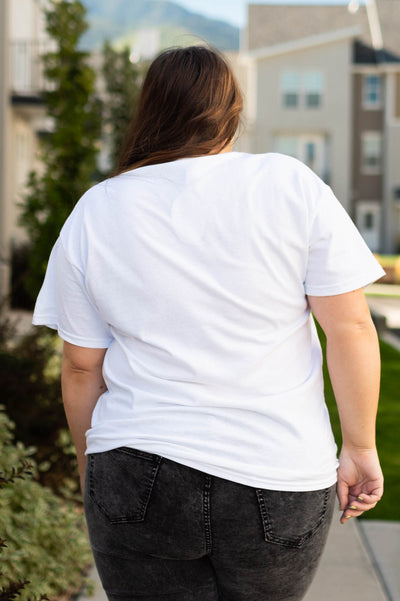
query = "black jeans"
{"x": 162, "y": 531}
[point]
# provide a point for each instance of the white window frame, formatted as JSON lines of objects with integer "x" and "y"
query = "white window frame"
{"x": 304, "y": 87}
{"x": 313, "y": 84}
{"x": 301, "y": 142}
{"x": 368, "y": 104}
{"x": 372, "y": 236}
{"x": 293, "y": 89}
{"x": 375, "y": 136}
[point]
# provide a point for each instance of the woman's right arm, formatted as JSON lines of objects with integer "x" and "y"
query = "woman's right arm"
{"x": 354, "y": 368}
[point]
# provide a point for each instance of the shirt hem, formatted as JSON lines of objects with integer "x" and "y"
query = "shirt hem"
{"x": 51, "y": 322}
{"x": 348, "y": 286}
{"x": 267, "y": 483}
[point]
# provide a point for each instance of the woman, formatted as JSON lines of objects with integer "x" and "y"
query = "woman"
{"x": 182, "y": 288}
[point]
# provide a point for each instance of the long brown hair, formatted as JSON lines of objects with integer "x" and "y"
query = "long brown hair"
{"x": 189, "y": 105}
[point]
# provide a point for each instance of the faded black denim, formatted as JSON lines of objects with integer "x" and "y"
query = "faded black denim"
{"x": 162, "y": 531}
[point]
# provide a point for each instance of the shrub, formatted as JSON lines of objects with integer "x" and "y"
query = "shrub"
{"x": 20, "y": 299}
{"x": 30, "y": 390}
{"x": 47, "y": 546}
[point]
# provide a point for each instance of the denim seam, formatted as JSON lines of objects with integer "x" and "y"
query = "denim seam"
{"x": 206, "y": 512}
{"x": 295, "y": 543}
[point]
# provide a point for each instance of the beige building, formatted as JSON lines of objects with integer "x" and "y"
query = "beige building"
{"x": 22, "y": 115}
{"x": 376, "y": 147}
{"x": 299, "y": 103}
{"x": 310, "y": 76}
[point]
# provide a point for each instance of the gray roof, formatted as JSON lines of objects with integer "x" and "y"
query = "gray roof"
{"x": 270, "y": 24}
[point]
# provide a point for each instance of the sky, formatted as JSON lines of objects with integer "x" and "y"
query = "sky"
{"x": 234, "y": 11}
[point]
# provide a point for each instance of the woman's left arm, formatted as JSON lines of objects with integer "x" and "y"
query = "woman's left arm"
{"x": 82, "y": 383}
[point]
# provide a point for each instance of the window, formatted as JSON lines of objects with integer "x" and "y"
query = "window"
{"x": 309, "y": 153}
{"x": 287, "y": 145}
{"x": 371, "y": 152}
{"x": 311, "y": 149}
{"x": 290, "y": 89}
{"x": 302, "y": 89}
{"x": 313, "y": 85}
{"x": 368, "y": 222}
{"x": 372, "y": 91}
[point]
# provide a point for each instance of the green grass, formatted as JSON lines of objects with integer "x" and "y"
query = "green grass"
{"x": 383, "y": 295}
{"x": 388, "y": 259}
{"x": 388, "y": 430}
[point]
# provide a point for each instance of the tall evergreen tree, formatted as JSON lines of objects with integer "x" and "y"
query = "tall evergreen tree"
{"x": 69, "y": 152}
{"x": 121, "y": 77}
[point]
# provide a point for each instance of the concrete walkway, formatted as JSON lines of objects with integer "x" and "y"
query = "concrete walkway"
{"x": 384, "y": 304}
{"x": 384, "y": 300}
{"x": 360, "y": 563}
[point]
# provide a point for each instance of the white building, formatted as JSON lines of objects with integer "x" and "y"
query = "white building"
{"x": 22, "y": 115}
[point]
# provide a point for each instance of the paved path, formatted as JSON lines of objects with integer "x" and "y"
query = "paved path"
{"x": 383, "y": 289}
{"x": 388, "y": 307}
{"x": 360, "y": 563}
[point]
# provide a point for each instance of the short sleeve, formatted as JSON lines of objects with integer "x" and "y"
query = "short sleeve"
{"x": 64, "y": 304}
{"x": 339, "y": 260}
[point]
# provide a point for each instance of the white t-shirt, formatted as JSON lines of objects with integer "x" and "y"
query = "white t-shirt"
{"x": 194, "y": 274}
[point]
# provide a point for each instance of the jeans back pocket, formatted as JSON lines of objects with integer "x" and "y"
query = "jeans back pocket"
{"x": 121, "y": 482}
{"x": 291, "y": 519}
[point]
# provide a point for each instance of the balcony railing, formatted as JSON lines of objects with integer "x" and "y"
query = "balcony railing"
{"x": 27, "y": 71}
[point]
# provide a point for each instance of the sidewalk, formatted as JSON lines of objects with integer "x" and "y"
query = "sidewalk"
{"x": 383, "y": 289}
{"x": 388, "y": 307}
{"x": 360, "y": 563}
{"x": 384, "y": 304}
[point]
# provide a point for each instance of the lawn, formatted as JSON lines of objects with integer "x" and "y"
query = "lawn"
{"x": 388, "y": 430}
{"x": 388, "y": 259}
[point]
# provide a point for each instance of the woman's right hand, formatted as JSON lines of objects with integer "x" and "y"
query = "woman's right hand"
{"x": 360, "y": 481}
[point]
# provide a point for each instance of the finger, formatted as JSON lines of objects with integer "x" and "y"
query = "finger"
{"x": 354, "y": 510}
{"x": 345, "y": 517}
{"x": 351, "y": 511}
{"x": 366, "y": 500}
{"x": 343, "y": 494}
{"x": 356, "y": 502}
{"x": 356, "y": 506}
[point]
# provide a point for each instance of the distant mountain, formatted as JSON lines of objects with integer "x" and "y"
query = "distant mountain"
{"x": 120, "y": 19}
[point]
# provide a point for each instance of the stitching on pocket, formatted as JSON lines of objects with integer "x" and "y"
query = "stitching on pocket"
{"x": 295, "y": 542}
{"x": 145, "y": 494}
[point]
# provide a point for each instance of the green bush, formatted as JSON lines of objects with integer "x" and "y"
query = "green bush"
{"x": 46, "y": 540}
{"x": 19, "y": 298}
{"x": 30, "y": 390}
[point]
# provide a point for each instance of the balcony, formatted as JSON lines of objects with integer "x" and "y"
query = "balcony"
{"x": 27, "y": 72}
